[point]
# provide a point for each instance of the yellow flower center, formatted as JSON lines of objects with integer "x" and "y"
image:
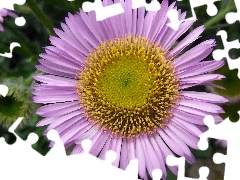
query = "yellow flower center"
{"x": 128, "y": 87}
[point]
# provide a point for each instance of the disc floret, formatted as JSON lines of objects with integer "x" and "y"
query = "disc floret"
{"x": 128, "y": 86}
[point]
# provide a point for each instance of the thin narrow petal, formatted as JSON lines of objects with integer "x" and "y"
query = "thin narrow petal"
{"x": 212, "y": 108}
{"x": 203, "y": 96}
{"x": 201, "y": 68}
{"x": 178, "y": 142}
{"x": 141, "y": 158}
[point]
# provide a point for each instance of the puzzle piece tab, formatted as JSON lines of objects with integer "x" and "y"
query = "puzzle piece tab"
{"x": 232, "y": 17}
{"x": 12, "y": 46}
{"x": 211, "y": 7}
{"x": 3, "y": 90}
{"x": 219, "y": 54}
{"x": 153, "y": 6}
{"x": 174, "y": 18}
{"x": 180, "y": 162}
{"x": 56, "y": 164}
{"x": 226, "y": 130}
{"x": 103, "y": 12}
{"x": 157, "y": 174}
{"x": 9, "y": 4}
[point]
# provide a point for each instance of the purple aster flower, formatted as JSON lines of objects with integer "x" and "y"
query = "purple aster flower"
{"x": 122, "y": 84}
{"x": 5, "y": 12}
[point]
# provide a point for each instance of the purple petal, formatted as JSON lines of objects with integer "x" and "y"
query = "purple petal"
{"x": 124, "y": 155}
{"x": 171, "y": 144}
{"x": 194, "y": 55}
{"x": 188, "y": 138}
{"x": 55, "y": 98}
{"x": 188, "y": 117}
{"x": 141, "y": 158}
{"x": 151, "y": 158}
{"x": 159, "y": 21}
{"x": 191, "y": 37}
{"x": 140, "y": 21}
{"x": 203, "y": 96}
{"x": 159, "y": 155}
{"x": 106, "y": 147}
{"x": 179, "y": 142}
{"x": 192, "y": 128}
{"x": 165, "y": 151}
{"x": 99, "y": 143}
{"x": 207, "y": 107}
{"x": 58, "y": 109}
{"x": 200, "y": 79}
{"x": 201, "y": 68}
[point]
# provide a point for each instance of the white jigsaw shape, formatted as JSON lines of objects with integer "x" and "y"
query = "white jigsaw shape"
{"x": 232, "y": 17}
{"x": 219, "y": 54}
{"x": 101, "y": 11}
{"x": 3, "y": 90}
{"x": 19, "y": 21}
{"x": 56, "y": 164}
{"x": 226, "y": 130}
{"x": 12, "y": 46}
{"x": 9, "y": 3}
{"x": 174, "y": 18}
{"x": 211, "y": 7}
{"x": 157, "y": 174}
{"x": 153, "y": 6}
{"x": 180, "y": 162}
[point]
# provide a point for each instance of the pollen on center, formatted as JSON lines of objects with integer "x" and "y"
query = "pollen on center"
{"x": 128, "y": 86}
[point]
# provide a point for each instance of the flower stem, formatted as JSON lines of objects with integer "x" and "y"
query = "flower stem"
{"x": 40, "y": 15}
{"x": 220, "y": 15}
{"x": 22, "y": 8}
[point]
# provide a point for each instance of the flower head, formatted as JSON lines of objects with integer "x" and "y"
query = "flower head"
{"x": 3, "y": 13}
{"x": 122, "y": 84}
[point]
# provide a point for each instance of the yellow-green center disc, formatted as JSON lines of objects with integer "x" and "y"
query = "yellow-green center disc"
{"x": 128, "y": 87}
{"x": 126, "y": 82}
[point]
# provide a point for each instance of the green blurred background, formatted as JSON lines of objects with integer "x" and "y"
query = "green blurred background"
{"x": 41, "y": 16}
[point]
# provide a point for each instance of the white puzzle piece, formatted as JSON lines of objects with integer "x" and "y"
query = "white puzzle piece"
{"x": 101, "y": 11}
{"x": 153, "y": 6}
{"x": 56, "y": 164}
{"x": 12, "y": 46}
{"x": 3, "y": 90}
{"x": 173, "y": 14}
{"x": 226, "y": 130}
{"x": 232, "y": 17}
{"x": 180, "y": 162}
{"x": 219, "y": 54}
{"x": 19, "y": 21}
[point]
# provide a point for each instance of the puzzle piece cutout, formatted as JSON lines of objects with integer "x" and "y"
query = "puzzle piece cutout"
{"x": 153, "y": 6}
{"x": 116, "y": 8}
{"x": 56, "y": 165}
{"x": 157, "y": 174}
{"x": 19, "y": 21}
{"x": 219, "y": 54}
{"x": 3, "y": 90}
{"x": 12, "y": 46}
{"x": 226, "y": 130}
{"x": 232, "y": 17}
{"x": 174, "y": 17}
{"x": 101, "y": 11}
{"x": 180, "y": 162}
